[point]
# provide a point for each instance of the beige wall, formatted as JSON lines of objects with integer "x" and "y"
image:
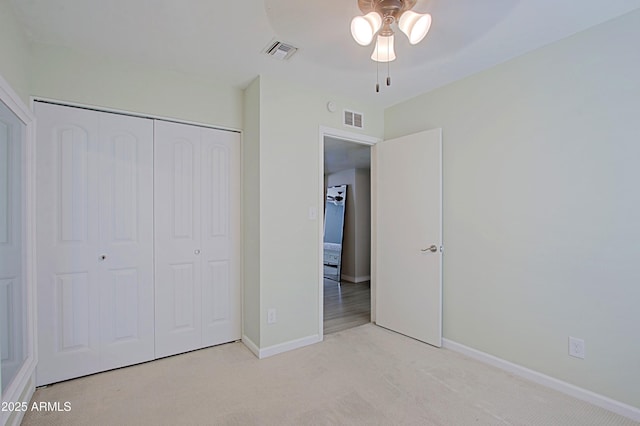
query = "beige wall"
{"x": 65, "y": 75}
{"x": 251, "y": 217}
{"x": 290, "y": 181}
{"x": 541, "y": 206}
{"x": 356, "y": 250}
{"x": 14, "y": 52}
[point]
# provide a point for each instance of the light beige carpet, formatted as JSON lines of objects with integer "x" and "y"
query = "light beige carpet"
{"x": 362, "y": 376}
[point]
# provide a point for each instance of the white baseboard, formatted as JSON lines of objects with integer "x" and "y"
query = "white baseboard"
{"x": 281, "y": 347}
{"x": 356, "y": 280}
{"x": 548, "y": 381}
{"x": 15, "y": 418}
{"x": 251, "y": 346}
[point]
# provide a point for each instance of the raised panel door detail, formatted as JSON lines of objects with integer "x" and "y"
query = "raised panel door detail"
{"x": 126, "y": 164}
{"x": 12, "y": 330}
{"x": 67, "y": 223}
{"x": 183, "y": 190}
{"x": 124, "y": 289}
{"x": 220, "y": 222}
{"x": 216, "y": 174}
{"x": 94, "y": 241}
{"x": 177, "y": 159}
{"x": 217, "y": 292}
{"x": 196, "y": 175}
{"x": 123, "y": 161}
{"x": 7, "y": 326}
{"x": 72, "y": 306}
{"x": 5, "y": 192}
{"x": 183, "y": 285}
{"x": 126, "y": 239}
{"x": 11, "y": 198}
{"x": 72, "y": 146}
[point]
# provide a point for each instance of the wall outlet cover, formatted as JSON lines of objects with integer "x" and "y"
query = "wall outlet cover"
{"x": 271, "y": 316}
{"x": 576, "y": 347}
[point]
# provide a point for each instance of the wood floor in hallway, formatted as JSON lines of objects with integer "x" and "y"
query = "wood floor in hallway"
{"x": 346, "y": 305}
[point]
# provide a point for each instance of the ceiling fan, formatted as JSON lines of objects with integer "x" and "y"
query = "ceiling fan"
{"x": 378, "y": 18}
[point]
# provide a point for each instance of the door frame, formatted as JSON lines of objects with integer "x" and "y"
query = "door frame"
{"x": 358, "y": 138}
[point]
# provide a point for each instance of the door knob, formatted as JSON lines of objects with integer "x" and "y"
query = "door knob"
{"x": 433, "y": 248}
{"x": 103, "y": 257}
{"x": 197, "y": 252}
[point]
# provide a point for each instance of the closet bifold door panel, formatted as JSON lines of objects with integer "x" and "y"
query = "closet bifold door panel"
{"x": 94, "y": 241}
{"x": 220, "y": 237}
{"x": 197, "y": 229}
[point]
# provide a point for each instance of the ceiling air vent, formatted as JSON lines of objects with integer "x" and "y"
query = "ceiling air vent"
{"x": 280, "y": 50}
{"x": 353, "y": 119}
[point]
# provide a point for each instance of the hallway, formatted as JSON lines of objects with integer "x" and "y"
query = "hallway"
{"x": 346, "y": 305}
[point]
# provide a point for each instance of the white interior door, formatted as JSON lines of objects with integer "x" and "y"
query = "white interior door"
{"x": 409, "y": 235}
{"x": 197, "y": 214}
{"x": 94, "y": 242}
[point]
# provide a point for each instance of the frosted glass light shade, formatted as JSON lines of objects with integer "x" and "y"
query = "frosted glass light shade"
{"x": 414, "y": 25}
{"x": 383, "y": 51}
{"x": 363, "y": 28}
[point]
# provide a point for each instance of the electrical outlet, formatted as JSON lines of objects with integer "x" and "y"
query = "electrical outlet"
{"x": 576, "y": 347}
{"x": 271, "y": 316}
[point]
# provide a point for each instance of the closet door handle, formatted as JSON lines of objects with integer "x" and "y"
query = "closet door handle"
{"x": 197, "y": 251}
{"x": 103, "y": 257}
{"x": 432, "y": 249}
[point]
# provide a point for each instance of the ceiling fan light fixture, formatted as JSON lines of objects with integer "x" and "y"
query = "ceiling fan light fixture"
{"x": 363, "y": 28}
{"x": 415, "y": 25}
{"x": 384, "y": 52}
{"x": 380, "y": 19}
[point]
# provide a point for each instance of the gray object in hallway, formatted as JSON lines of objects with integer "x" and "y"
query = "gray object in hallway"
{"x": 334, "y": 231}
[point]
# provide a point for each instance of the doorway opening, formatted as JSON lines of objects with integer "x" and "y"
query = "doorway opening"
{"x": 345, "y": 256}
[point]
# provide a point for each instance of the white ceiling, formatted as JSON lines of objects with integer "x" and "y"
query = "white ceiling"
{"x": 226, "y": 39}
{"x": 343, "y": 155}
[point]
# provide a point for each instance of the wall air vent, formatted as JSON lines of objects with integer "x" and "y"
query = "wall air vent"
{"x": 280, "y": 50}
{"x": 353, "y": 119}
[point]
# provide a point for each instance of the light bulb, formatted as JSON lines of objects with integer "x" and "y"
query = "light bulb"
{"x": 383, "y": 51}
{"x": 363, "y": 28}
{"x": 415, "y": 25}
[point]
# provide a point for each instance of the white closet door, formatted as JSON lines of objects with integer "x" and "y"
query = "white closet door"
{"x": 94, "y": 242}
{"x": 197, "y": 232}
{"x": 67, "y": 243}
{"x": 220, "y": 237}
{"x": 126, "y": 241}
{"x": 177, "y": 238}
